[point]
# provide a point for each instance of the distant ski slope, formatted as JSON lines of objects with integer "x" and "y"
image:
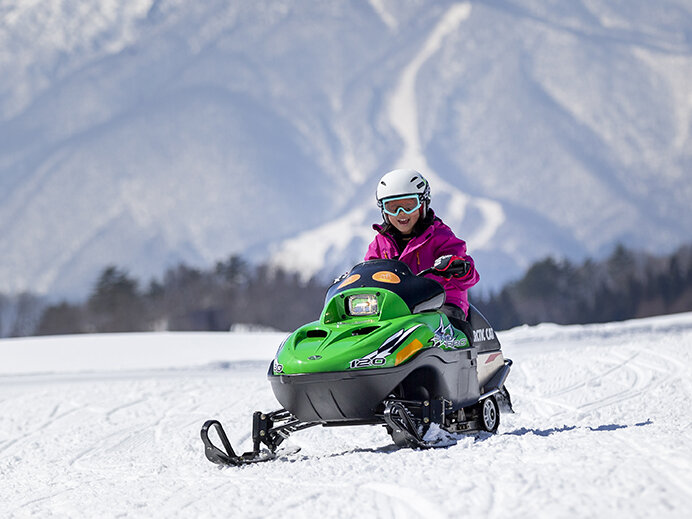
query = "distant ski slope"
{"x": 101, "y": 426}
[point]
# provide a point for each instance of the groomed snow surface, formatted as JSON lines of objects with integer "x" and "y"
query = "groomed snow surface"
{"x": 105, "y": 426}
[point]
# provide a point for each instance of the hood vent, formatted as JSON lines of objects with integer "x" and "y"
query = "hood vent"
{"x": 364, "y": 331}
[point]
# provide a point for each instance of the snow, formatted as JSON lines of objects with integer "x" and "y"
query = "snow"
{"x": 308, "y": 252}
{"x": 103, "y": 426}
{"x": 404, "y": 118}
{"x": 386, "y": 17}
{"x": 403, "y": 104}
{"x": 133, "y": 351}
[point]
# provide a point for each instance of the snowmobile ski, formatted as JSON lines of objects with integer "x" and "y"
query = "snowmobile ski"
{"x": 268, "y": 429}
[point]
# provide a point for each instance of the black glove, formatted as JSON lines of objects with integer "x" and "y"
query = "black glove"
{"x": 451, "y": 266}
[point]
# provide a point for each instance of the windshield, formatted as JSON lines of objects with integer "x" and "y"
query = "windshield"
{"x": 391, "y": 275}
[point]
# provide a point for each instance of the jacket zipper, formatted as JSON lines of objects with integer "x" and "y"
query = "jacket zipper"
{"x": 426, "y": 238}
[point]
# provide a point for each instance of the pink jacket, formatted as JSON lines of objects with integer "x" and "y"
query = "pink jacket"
{"x": 422, "y": 251}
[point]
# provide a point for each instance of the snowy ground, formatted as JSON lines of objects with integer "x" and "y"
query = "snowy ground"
{"x": 103, "y": 426}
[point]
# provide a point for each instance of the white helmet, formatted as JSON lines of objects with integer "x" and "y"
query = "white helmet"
{"x": 402, "y": 182}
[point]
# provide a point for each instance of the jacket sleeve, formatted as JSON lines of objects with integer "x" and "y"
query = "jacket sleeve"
{"x": 448, "y": 243}
{"x": 373, "y": 251}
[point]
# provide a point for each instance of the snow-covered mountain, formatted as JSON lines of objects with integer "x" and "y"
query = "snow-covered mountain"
{"x": 151, "y": 132}
{"x": 108, "y": 425}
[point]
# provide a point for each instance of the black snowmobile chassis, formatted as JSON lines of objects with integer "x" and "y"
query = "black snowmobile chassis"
{"x": 405, "y": 420}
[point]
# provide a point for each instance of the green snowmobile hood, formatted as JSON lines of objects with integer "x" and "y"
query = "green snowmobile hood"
{"x": 341, "y": 341}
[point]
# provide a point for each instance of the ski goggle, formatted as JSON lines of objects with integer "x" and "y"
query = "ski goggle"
{"x": 409, "y": 204}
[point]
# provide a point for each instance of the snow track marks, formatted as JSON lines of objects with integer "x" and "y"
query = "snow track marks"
{"x": 602, "y": 429}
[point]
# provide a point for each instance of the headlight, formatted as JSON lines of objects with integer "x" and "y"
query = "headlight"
{"x": 364, "y": 304}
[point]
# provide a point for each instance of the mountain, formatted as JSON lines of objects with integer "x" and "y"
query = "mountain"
{"x": 147, "y": 133}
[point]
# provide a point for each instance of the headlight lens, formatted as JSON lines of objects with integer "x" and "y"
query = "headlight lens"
{"x": 363, "y": 304}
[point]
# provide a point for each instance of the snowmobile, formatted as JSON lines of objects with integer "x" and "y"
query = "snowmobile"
{"x": 382, "y": 353}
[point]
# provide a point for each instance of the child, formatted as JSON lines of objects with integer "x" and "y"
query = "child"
{"x": 413, "y": 234}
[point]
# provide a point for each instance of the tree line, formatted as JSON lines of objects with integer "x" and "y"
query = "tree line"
{"x": 234, "y": 294}
{"x": 231, "y": 294}
{"x": 625, "y": 285}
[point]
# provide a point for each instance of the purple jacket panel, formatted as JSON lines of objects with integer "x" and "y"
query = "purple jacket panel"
{"x": 422, "y": 251}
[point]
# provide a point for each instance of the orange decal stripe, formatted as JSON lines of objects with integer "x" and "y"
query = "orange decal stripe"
{"x": 386, "y": 277}
{"x": 349, "y": 280}
{"x": 409, "y": 350}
